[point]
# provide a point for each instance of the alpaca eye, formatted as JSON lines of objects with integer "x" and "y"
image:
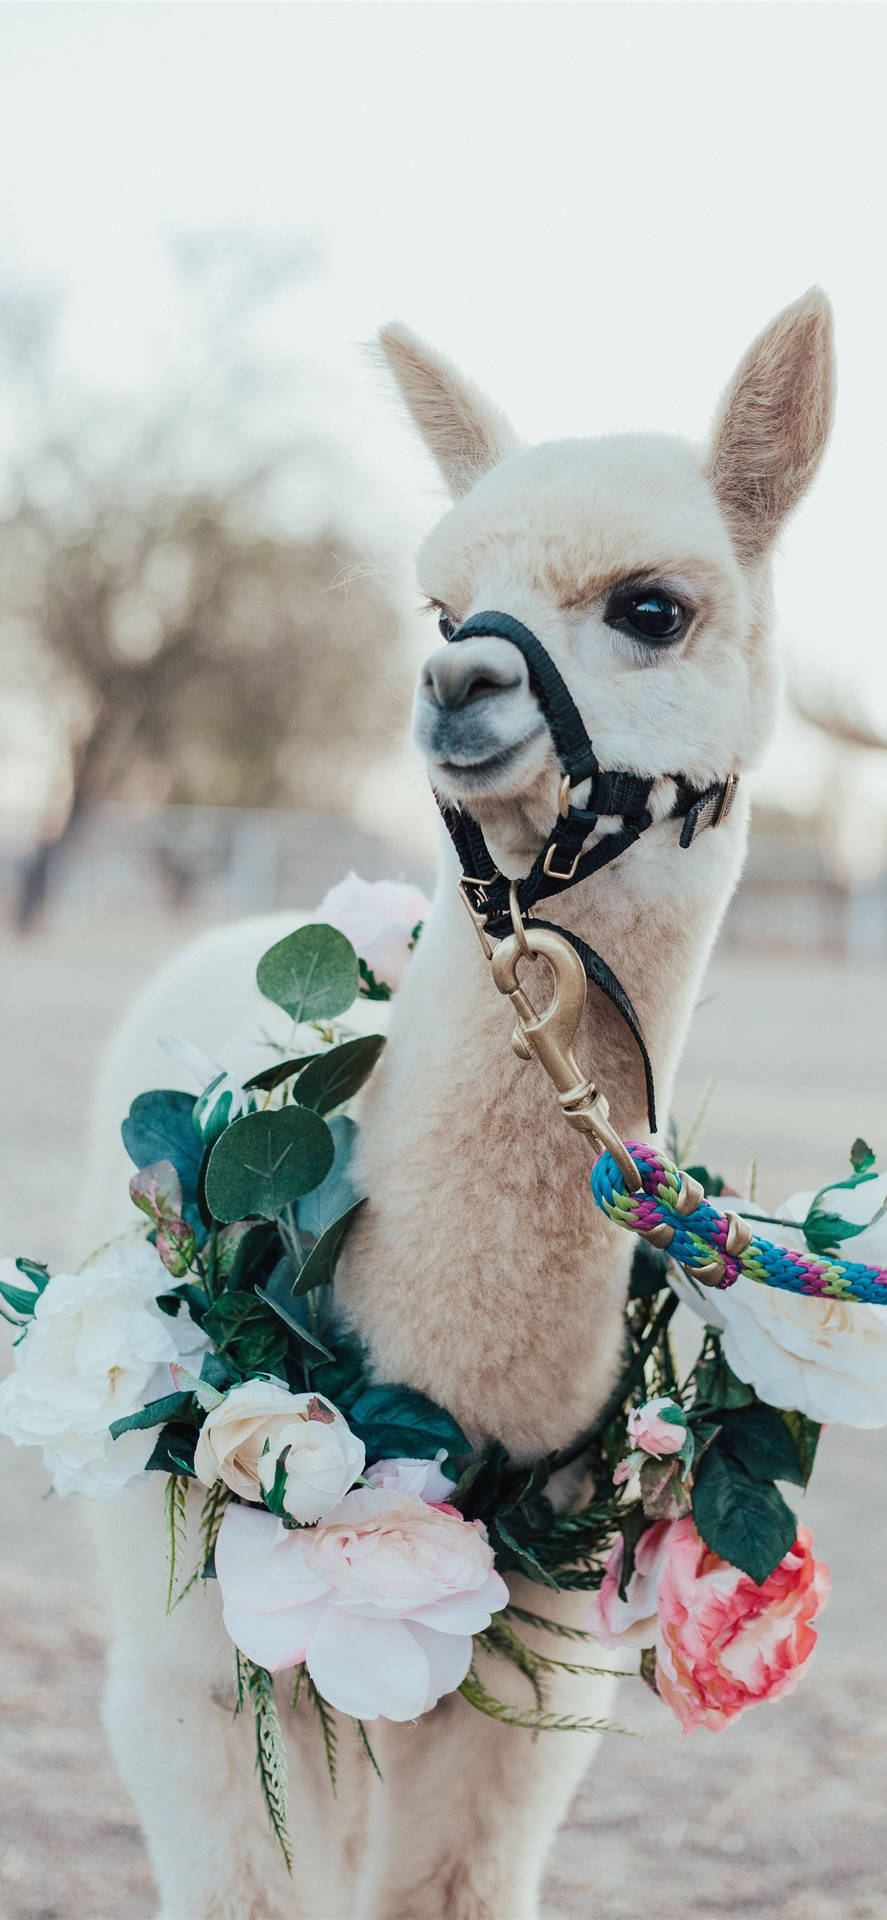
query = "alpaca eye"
{"x": 447, "y": 625}
{"x": 651, "y": 616}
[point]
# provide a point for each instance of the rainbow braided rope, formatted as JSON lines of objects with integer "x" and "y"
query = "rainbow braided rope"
{"x": 701, "y": 1236}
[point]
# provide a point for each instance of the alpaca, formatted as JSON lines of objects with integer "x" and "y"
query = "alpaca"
{"x": 479, "y": 1271}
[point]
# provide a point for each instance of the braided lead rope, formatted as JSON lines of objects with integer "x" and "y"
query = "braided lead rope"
{"x": 700, "y": 1236}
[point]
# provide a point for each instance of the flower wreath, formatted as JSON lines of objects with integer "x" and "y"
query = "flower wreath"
{"x": 356, "y": 1539}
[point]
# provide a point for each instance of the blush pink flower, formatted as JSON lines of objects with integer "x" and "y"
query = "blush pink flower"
{"x": 380, "y": 1599}
{"x": 421, "y": 1479}
{"x": 658, "y": 1427}
{"x": 722, "y": 1643}
{"x": 379, "y": 917}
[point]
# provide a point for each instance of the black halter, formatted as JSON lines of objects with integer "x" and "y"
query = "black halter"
{"x": 562, "y": 861}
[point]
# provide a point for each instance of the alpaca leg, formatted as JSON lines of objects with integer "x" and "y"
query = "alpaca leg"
{"x": 471, "y": 1807}
{"x": 189, "y": 1763}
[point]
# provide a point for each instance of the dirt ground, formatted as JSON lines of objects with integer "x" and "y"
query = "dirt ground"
{"x": 781, "y": 1816}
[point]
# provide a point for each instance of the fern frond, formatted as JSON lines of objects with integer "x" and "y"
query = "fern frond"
{"x": 501, "y": 1639}
{"x": 239, "y": 1682}
{"x": 328, "y": 1729}
{"x": 368, "y": 1751}
{"x": 551, "y": 1626}
{"x": 270, "y": 1755}
{"x": 175, "y": 1504}
{"x": 529, "y": 1718}
{"x": 211, "y": 1516}
{"x": 297, "y": 1687}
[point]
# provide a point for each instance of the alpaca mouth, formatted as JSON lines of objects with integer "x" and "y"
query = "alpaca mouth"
{"x": 482, "y": 773}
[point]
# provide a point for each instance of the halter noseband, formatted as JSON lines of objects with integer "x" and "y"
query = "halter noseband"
{"x": 563, "y": 862}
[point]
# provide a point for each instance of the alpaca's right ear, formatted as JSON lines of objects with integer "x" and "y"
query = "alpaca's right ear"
{"x": 774, "y": 422}
{"x": 465, "y": 432}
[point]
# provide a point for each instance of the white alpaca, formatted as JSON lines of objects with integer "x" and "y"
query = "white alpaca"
{"x": 480, "y": 1271}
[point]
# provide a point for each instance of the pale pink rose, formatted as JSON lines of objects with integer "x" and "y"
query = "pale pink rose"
{"x": 725, "y": 1644}
{"x": 652, "y": 1432}
{"x": 630, "y": 1622}
{"x": 419, "y": 1479}
{"x": 380, "y": 1599}
{"x": 722, "y": 1643}
{"x": 379, "y": 917}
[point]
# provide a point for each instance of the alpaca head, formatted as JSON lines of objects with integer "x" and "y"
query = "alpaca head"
{"x": 640, "y": 561}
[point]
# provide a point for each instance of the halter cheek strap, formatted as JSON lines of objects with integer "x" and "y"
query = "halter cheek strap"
{"x": 564, "y": 861}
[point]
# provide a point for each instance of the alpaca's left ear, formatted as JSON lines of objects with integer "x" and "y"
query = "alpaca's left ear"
{"x": 774, "y": 422}
{"x": 463, "y": 430}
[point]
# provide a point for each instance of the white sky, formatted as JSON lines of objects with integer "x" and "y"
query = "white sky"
{"x": 592, "y": 207}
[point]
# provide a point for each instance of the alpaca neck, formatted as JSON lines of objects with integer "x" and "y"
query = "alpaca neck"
{"x": 480, "y": 1271}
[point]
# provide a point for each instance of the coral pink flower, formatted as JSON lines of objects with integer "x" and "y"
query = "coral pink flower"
{"x": 658, "y": 1427}
{"x": 722, "y": 1643}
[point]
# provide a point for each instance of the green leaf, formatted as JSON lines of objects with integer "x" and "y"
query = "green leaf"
{"x": 321, "y": 1262}
{"x": 174, "y": 1452}
{"x": 861, "y": 1156}
{"x": 633, "y": 1522}
{"x": 157, "y": 1191}
{"x": 394, "y": 1422}
{"x": 273, "y": 1498}
{"x": 271, "y": 1077}
{"x": 745, "y": 1521}
{"x": 522, "y": 1554}
{"x": 313, "y": 974}
{"x": 265, "y": 1161}
{"x": 805, "y": 1434}
{"x": 241, "y": 1324}
{"x": 159, "y": 1127}
{"x": 716, "y": 1385}
{"x": 337, "y": 1194}
{"x": 760, "y": 1439}
{"x": 336, "y": 1076}
{"x": 34, "y": 1270}
{"x": 20, "y": 1299}
{"x": 278, "y": 1294}
{"x": 239, "y": 1246}
{"x": 649, "y": 1271}
{"x": 370, "y": 987}
{"x": 153, "y": 1415}
{"x": 711, "y": 1183}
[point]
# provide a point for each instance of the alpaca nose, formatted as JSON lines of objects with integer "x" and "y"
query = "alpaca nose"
{"x": 456, "y": 676}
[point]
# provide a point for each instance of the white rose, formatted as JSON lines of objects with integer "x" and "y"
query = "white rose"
{"x": 242, "y": 1439}
{"x": 379, "y": 917}
{"x": 380, "y": 1600}
{"x": 419, "y": 1479}
{"x": 88, "y": 1358}
{"x": 827, "y": 1358}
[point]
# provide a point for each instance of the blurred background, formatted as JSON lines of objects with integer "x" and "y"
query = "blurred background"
{"x": 209, "y": 630}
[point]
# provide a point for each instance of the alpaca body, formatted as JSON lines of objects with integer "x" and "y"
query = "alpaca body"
{"x": 480, "y": 1271}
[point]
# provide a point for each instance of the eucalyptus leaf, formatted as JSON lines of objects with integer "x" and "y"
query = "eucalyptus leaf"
{"x": 312, "y": 974}
{"x": 337, "y": 1194}
{"x": 321, "y": 1262}
{"x": 265, "y": 1161}
{"x": 745, "y": 1521}
{"x": 334, "y": 1077}
{"x": 278, "y": 1294}
{"x": 159, "y": 1127}
{"x": 174, "y": 1452}
{"x": 271, "y": 1077}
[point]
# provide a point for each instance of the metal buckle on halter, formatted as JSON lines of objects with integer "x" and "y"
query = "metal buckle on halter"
{"x": 563, "y": 807}
{"x": 476, "y": 916}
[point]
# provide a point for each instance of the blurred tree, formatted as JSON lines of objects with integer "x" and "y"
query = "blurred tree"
{"x": 180, "y": 644}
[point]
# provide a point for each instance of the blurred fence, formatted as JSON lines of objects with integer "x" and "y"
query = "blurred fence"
{"x": 214, "y": 862}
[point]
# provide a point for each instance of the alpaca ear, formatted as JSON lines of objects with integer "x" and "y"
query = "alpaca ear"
{"x": 465, "y": 432}
{"x": 774, "y": 422}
